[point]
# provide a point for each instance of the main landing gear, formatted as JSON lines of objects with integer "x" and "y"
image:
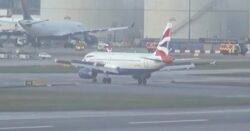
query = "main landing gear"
{"x": 106, "y": 79}
{"x": 94, "y": 77}
{"x": 142, "y": 79}
{"x": 94, "y": 80}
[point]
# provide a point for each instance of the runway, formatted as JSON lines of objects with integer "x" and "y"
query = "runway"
{"x": 185, "y": 92}
{"x": 160, "y": 83}
{"x": 229, "y": 119}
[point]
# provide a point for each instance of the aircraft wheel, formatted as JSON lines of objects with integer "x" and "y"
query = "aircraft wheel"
{"x": 144, "y": 82}
{"x": 109, "y": 80}
{"x": 94, "y": 80}
{"x": 106, "y": 80}
{"x": 139, "y": 81}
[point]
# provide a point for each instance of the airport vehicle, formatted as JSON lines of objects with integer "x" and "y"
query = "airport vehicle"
{"x": 228, "y": 48}
{"x": 139, "y": 65}
{"x": 104, "y": 47}
{"x": 44, "y": 55}
{"x": 38, "y": 30}
{"x": 78, "y": 45}
{"x": 21, "y": 41}
{"x": 36, "y": 83}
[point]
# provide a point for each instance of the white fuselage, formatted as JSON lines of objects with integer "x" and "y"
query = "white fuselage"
{"x": 52, "y": 28}
{"x": 127, "y": 63}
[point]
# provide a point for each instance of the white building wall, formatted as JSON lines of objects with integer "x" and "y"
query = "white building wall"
{"x": 225, "y": 18}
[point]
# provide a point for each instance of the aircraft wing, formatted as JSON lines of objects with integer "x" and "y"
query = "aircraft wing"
{"x": 93, "y": 31}
{"x": 110, "y": 29}
{"x": 187, "y": 60}
{"x": 194, "y": 60}
{"x": 175, "y": 62}
{"x": 179, "y": 67}
{"x": 93, "y": 66}
{"x": 184, "y": 61}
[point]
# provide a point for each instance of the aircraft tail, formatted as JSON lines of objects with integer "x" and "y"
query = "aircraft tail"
{"x": 26, "y": 14}
{"x": 163, "y": 46}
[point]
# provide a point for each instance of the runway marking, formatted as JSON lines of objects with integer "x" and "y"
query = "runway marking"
{"x": 168, "y": 122}
{"x": 238, "y": 96}
{"x": 25, "y": 127}
{"x": 103, "y": 114}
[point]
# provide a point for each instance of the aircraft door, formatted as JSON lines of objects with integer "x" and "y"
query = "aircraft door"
{"x": 146, "y": 63}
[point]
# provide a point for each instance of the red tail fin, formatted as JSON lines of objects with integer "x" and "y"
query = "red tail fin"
{"x": 166, "y": 36}
{"x": 162, "y": 51}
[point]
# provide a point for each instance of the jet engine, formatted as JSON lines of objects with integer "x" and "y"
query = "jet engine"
{"x": 86, "y": 73}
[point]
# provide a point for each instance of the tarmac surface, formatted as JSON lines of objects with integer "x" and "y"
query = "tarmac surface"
{"x": 226, "y": 119}
{"x": 162, "y": 83}
{"x": 216, "y": 119}
{"x": 174, "y": 82}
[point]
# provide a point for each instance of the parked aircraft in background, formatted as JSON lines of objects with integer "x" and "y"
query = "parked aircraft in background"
{"x": 139, "y": 65}
{"x": 38, "y": 30}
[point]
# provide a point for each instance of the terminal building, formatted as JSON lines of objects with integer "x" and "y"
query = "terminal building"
{"x": 209, "y": 18}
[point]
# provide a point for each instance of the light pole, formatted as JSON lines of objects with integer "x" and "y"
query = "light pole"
{"x": 189, "y": 20}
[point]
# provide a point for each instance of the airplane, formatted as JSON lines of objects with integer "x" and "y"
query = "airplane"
{"x": 37, "y": 30}
{"x": 138, "y": 65}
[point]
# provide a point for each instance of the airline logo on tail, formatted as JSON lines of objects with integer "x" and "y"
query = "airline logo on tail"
{"x": 166, "y": 36}
{"x": 163, "y": 51}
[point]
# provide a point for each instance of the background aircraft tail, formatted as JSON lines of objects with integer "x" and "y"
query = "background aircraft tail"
{"x": 163, "y": 46}
{"x": 26, "y": 14}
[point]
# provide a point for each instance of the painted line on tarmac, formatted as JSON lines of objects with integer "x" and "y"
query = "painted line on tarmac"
{"x": 168, "y": 122}
{"x": 25, "y": 127}
{"x": 103, "y": 114}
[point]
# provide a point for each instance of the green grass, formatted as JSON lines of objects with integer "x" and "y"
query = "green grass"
{"x": 41, "y": 100}
{"x": 37, "y": 69}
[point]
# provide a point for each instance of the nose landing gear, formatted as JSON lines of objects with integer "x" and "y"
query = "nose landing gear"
{"x": 106, "y": 79}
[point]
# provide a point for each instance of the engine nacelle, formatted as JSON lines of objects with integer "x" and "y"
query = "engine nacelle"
{"x": 86, "y": 73}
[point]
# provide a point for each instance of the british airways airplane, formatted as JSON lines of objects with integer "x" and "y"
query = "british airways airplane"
{"x": 138, "y": 65}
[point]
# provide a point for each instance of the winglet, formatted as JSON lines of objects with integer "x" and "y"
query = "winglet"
{"x": 26, "y": 14}
{"x": 133, "y": 25}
